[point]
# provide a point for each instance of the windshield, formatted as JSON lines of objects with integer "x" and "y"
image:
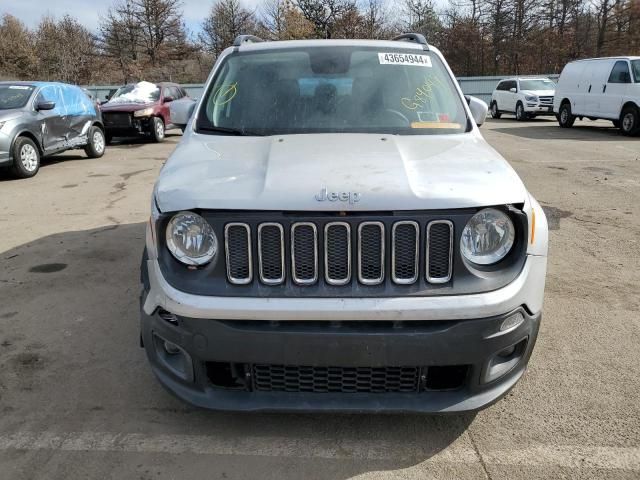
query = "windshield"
{"x": 537, "y": 85}
{"x": 635, "y": 66}
{"x": 343, "y": 89}
{"x": 142, "y": 92}
{"x": 14, "y": 96}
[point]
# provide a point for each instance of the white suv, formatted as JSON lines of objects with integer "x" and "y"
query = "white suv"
{"x": 526, "y": 97}
{"x": 334, "y": 233}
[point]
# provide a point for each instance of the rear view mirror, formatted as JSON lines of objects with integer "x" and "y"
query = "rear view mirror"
{"x": 478, "y": 109}
{"x": 512, "y": 90}
{"x": 45, "y": 106}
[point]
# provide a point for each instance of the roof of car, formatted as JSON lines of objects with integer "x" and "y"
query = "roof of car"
{"x": 272, "y": 45}
{"x": 632, "y": 57}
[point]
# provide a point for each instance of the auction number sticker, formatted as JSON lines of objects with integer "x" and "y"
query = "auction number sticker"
{"x": 404, "y": 59}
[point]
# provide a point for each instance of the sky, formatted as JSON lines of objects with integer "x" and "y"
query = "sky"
{"x": 88, "y": 12}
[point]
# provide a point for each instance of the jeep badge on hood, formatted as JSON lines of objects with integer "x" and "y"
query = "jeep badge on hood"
{"x": 351, "y": 197}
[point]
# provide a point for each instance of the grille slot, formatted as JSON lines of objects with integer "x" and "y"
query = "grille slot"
{"x": 439, "y": 251}
{"x": 337, "y": 253}
{"x": 304, "y": 253}
{"x": 296, "y": 378}
{"x": 271, "y": 253}
{"x": 405, "y": 238}
{"x": 371, "y": 253}
{"x": 237, "y": 240}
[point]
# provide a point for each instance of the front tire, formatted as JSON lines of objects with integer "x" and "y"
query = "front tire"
{"x": 495, "y": 113}
{"x": 565, "y": 117}
{"x": 521, "y": 115}
{"x": 157, "y": 130}
{"x": 630, "y": 121}
{"x": 26, "y": 158}
{"x": 97, "y": 142}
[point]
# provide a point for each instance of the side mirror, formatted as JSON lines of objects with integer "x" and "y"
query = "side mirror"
{"x": 181, "y": 111}
{"x": 512, "y": 90}
{"x": 479, "y": 109}
{"x": 45, "y": 106}
{"x": 168, "y": 99}
{"x": 107, "y": 98}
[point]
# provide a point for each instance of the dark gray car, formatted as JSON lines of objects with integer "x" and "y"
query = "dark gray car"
{"x": 39, "y": 119}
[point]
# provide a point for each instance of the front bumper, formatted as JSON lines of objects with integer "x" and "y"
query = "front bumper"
{"x": 431, "y": 346}
{"x": 539, "y": 109}
{"x": 425, "y": 332}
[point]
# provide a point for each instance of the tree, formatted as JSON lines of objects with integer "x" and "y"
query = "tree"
{"x": 324, "y": 14}
{"x": 17, "y": 53}
{"x": 226, "y": 20}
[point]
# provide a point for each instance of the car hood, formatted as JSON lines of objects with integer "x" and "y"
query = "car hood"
{"x": 124, "y": 107}
{"x": 367, "y": 172}
{"x": 540, "y": 93}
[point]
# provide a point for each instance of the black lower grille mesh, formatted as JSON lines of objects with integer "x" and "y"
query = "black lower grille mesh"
{"x": 295, "y": 378}
{"x": 439, "y": 261}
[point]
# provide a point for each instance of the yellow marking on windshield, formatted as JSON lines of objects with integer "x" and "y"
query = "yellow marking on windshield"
{"x": 423, "y": 93}
{"x": 225, "y": 93}
{"x": 435, "y": 125}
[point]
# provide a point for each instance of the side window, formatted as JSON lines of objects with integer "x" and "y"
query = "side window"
{"x": 500, "y": 86}
{"x": 175, "y": 93}
{"x": 510, "y": 84}
{"x": 51, "y": 93}
{"x": 166, "y": 92}
{"x": 620, "y": 73}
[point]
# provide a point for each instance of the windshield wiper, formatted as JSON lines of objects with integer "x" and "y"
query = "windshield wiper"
{"x": 230, "y": 131}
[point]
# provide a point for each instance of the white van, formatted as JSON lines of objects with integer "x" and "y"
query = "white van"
{"x": 607, "y": 88}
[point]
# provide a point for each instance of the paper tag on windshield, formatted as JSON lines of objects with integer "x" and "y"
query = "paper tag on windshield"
{"x": 404, "y": 59}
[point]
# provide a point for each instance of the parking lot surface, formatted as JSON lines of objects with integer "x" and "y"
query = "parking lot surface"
{"x": 77, "y": 399}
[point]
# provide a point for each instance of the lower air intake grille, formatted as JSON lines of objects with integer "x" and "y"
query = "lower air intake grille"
{"x": 295, "y": 378}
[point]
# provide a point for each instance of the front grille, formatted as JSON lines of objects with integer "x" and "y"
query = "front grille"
{"x": 271, "y": 253}
{"x": 304, "y": 253}
{"x": 237, "y": 237}
{"x": 331, "y": 251}
{"x": 405, "y": 238}
{"x": 116, "y": 119}
{"x": 439, "y": 250}
{"x": 547, "y": 100}
{"x": 337, "y": 253}
{"x": 371, "y": 253}
{"x": 296, "y": 378}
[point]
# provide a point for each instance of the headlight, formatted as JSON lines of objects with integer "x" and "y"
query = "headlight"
{"x": 145, "y": 112}
{"x": 488, "y": 237}
{"x": 531, "y": 98}
{"x": 191, "y": 239}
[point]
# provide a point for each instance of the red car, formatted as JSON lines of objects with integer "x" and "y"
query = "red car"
{"x": 140, "y": 109}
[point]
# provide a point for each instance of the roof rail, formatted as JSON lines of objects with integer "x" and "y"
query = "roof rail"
{"x": 241, "y": 39}
{"x": 412, "y": 37}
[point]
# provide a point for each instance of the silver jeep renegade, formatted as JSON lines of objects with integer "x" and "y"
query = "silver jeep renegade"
{"x": 333, "y": 233}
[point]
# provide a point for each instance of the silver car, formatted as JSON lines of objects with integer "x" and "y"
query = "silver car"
{"x": 333, "y": 233}
{"x": 39, "y": 119}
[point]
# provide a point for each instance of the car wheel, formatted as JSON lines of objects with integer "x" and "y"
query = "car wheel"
{"x": 157, "y": 130}
{"x": 26, "y": 158}
{"x": 521, "y": 116}
{"x": 495, "y": 113}
{"x": 565, "y": 118}
{"x": 630, "y": 121}
{"x": 96, "y": 143}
